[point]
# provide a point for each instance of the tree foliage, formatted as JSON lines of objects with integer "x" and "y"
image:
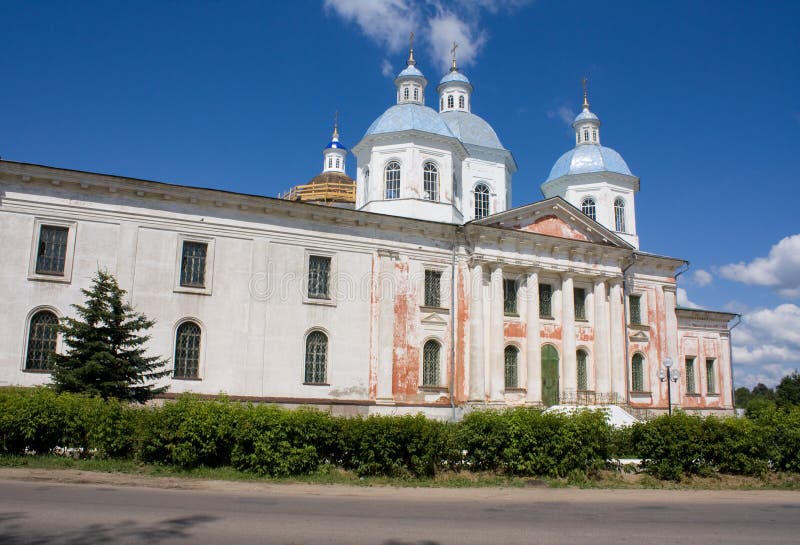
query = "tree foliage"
{"x": 787, "y": 393}
{"x": 105, "y": 354}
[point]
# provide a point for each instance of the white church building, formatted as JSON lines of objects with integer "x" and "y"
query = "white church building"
{"x": 418, "y": 287}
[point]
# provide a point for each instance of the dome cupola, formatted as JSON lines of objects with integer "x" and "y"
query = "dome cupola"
{"x": 411, "y": 82}
{"x": 586, "y": 123}
{"x": 454, "y": 89}
{"x": 335, "y": 152}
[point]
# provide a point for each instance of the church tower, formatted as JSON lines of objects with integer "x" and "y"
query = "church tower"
{"x": 595, "y": 179}
{"x": 334, "y": 153}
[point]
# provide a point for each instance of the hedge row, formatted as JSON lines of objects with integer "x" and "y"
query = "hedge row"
{"x": 269, "y": 440}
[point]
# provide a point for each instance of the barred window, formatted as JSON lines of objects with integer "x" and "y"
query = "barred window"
{"x": 511, "y": 356}
{"x": 431, "y": 354}
{"x": 431, "y": 182}
{"x": 579, "y": 300}
{"x": 509, "y": 297}
{"x": 433, "y": 287}
{"x": 583, "y": 376}
{"x": 461, "y": 102}
{"x": 42, "y": 337}
{"x": 187, "y": 350}
{"x": 51, "y": 255}
{"x": 711, "y": 377}
{"x": 635, "y": 308}
{"x": 481, "y": 201}
{"x": 637, "y": 372}
{"x": 392, "y": 179}
{"x": 545, "y": 301}
{"x": 691, "y": 383}
{"x": 450, "y": 101}
{"x": 589, "y": 207}
{"x": 619, "y": 214}
{"x": 193, "y": 264}
{"x": 319, "y": 269}
{"x": 316, "y": 358}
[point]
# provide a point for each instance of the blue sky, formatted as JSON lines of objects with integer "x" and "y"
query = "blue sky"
{"x": 701, "y": 99}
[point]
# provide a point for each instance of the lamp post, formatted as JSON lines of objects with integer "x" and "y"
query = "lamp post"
{"x": 669, "y": 375}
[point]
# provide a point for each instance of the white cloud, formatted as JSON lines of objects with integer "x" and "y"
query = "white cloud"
{"x": 386, "y": 68}
{"x": 387, "y": 22}
{"x": 780, "y": 270}
{"x": 683, "y": 300}
{"x": 564, "y": 113}
{"x": 447, "y": 28}
{"x": 766, "y": 346}
{"x": 702, "y": 278}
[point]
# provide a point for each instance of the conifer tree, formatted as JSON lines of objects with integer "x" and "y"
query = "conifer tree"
{"x": 105, "y": 352}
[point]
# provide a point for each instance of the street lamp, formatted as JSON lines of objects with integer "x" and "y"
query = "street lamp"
{"x": 669, "y": 375}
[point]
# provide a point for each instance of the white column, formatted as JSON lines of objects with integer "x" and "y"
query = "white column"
{"x": 386, "y": 287}
{"x": 619, "y": 366}
{"x": 570, "y": 379}
{"x": 496, "y": 372}
{"x": 601, "y": 340}
{"x": 477, "y": 382}
{"x": 533, "y": 349}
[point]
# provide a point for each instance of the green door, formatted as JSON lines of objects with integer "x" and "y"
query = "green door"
{"x": 549, "y": 375}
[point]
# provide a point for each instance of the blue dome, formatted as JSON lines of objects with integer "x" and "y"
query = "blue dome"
{"x": 335, "y": 144}
{"x": 454, "y": 76}
{"x": 584, "y": 115}
{"x": 410, "y": 70}
{"x": 589, "y": 158}
{"x": 471, "y": 129}
{"x": 409, "y": 117}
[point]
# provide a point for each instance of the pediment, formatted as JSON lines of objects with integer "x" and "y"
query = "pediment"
{"x": 639, "y": 337}
{"x": 433, "y": 318}
{"x": 555, "y": 217}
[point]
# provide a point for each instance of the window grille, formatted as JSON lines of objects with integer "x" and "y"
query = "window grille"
{"x": 392, "y": 179}
{"x": 637, "y": 370}
{"x": 545, "y": 301}
{"x": 330, "y": 162}
{"x": 430, "y": 363}
{"x": 589, "y": 207}
{"x": 711, "y": 377}
{"x": 583, "y": 377}
{"x": 51, "y": 256}
{"x": 511, "y": 360}
{"x": 316, "y": 357}
{"x": 579, "y": 299}
{"x": 594, "y": 135}
{"x": 338, "y": 163}
{"x": 585, "y": 136}
{"x": 509, "y": 296}
{"x": 691, "y": 384}
{"x": 461, "y": 102}
{"x": 450, "y": 102}
{"x": 405, "y": 93}
{"x": 481, "y": 201}
{"x": 187, "y": 350}
{"x": 433, "y": 295}
{"x": 619, "y": 215}
{"x": 635, "y": 309}
{"x": 431, "y": 182}
{"x": 319, "y": 268}
{"x": 416, "y": 93}
{"x": 193, "y": 264}
{"x": 42, "y": 336}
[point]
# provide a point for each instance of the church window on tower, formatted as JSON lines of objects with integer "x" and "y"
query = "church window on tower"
{"x": 392, "y": 179}
{"x": 586, "y": 135}
{"x": 431, "y": 182}
{"x": 450, "y": 102}
{"x": 330, "y": 162}
{"x": 338, "y": 163}
{"x": 441, "y": 104}
{"x": 416, "y": 93}
{"x": 594, "y": 135}
{"x": 461, "y": 102}
{"x": 481, "y": 201}
{"x": 619, "y": 214}
{"x": 405, "y": 93}
{"x": 588, "y": 207}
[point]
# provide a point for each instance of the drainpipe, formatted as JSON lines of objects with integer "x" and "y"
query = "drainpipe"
{"x": 453, "y": 284}
{"x": 730, "y": 359}
{"x": 686, "y": 264}
{"x": 625, "y": 328}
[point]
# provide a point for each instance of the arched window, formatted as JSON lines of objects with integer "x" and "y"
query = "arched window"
{"x": 405, "y": 93}
{"x": 42, "y": 337}
{"x": 450, "y": 102}
{"x": 619, "y": 214}
{"x": 594, "y": 135}
{"x": 392, "y": 179}
{"x": 588, "y": 207}
{"x": 330, "y": 162}
{"x": 430, "y": 175}
{"x": 585, "y": 135}
{"x": 461, "y": 101}
{"x": 187, "y": 351}
{"x": 481, "y": 201}
{"x": 637, "y": 373}
{"x": 583, "y": 374}
{"x": 511, "y": 357}
{"x": 431, "y": 355}
{"x": 316, "y": 357}
{"x": 416, "y": 93}
{"x": 338, "y": 163}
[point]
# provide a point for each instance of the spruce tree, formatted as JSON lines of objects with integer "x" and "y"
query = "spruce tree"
{"x": 105, "y": 352}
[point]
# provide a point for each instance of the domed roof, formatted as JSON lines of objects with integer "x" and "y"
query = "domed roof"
{"x": 471, "y": 129}
{"x": 331, "y": 177}
{"x": 335, "y": 144}
{"x": 454, "y": 75}
{"x": 584, "y": 115}
{"x": 408, "y": 117}
{"x": 410, "y": 71}
{"x": 589, "y": 158}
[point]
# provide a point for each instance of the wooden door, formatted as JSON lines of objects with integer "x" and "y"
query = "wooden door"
{"x": 549, "y": 375}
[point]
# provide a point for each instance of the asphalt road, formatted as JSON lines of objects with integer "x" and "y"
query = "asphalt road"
{"x": 46, "y": 512}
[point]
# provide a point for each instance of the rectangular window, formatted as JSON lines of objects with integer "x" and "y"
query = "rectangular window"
{"x": 691, "y": 385}
{"x": 545, "y": 301}
{"x": 193, "y": 264}
{"x": 635, "y": 308}
{"x": 319, "y": 268}
{"x": 510, "y": 297}
{"x": 51, "y": 256}
{"x": 711, "y": 377}
{"x": 433, "y": 289}
{"x": 579, "y": 297}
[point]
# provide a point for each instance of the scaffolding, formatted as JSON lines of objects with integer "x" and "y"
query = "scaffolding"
{"x": 326, "y": 192}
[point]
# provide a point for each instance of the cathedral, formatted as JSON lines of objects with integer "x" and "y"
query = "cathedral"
{"x": 415, "y": 287}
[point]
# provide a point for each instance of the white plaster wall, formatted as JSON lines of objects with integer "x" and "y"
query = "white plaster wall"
{"x": 475, "y": 171}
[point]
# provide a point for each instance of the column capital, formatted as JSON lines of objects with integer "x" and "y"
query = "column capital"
{"x": 672, "y": 288}
{"x": 393, "y": 254}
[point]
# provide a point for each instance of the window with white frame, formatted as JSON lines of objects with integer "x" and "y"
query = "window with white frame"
{"x": 405, "y": 93}
{"x": 450, "y": 103}
{"x": 193, "y": 264}
{"x": 711, "y": 376}
{"x": 430, "y": 174}
{"x": 461, "y": 102}
{"x": 391, "y": 177}
{"x": 316, "y": 360}
{"x": 51, "y": 255}
{"x": 416, "y": 93}
{"x": 481, "y": 201}
{"x": 187, "y": 351}
{"x": 589, "y": 207}
{"x": 691, "y": 380}
{"x": 42, "y": 341}
{"x": 619, "y": 214}
{"x": 431, "y": 361}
